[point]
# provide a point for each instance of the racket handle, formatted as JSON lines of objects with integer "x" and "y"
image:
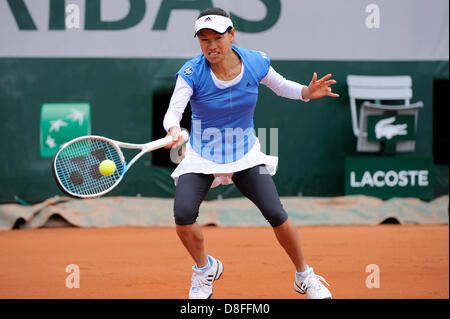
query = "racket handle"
{"x": 164, "y": 141}
{"x": 185, "y": 135}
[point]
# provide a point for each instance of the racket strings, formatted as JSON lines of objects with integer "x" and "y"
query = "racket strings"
{"x": 77, "y": 166}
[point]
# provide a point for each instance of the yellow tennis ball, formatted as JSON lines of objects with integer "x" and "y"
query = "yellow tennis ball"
{"x": 107, "y": 167}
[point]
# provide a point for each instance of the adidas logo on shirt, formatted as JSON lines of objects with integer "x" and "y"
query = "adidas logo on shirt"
{"x": 207, "y": 19}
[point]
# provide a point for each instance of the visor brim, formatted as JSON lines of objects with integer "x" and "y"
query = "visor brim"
{"x": 213, "y": 27}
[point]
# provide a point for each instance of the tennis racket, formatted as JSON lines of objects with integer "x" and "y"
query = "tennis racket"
{"x": 76, "y": 164}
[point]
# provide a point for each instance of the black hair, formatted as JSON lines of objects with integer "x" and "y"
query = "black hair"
{"x": 213, "y": 11}
{"x": 217, "y": 12}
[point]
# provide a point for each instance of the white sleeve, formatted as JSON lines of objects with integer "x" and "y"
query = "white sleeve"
{"x": 283, "y": 87}
{"x": 178, "y": 102}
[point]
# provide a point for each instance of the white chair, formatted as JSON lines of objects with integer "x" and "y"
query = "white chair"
{"x": 377, "y": 89}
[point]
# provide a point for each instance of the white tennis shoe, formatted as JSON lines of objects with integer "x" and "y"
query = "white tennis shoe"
{"x": 202, "y": 280}
{"x": 307, "y": 282}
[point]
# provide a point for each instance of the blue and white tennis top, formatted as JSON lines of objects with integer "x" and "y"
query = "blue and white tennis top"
{"x": 222, "y": 138}
{"x": 222, "y": 127}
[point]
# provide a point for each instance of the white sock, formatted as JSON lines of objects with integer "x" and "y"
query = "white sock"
{"x": 208, "y": 265}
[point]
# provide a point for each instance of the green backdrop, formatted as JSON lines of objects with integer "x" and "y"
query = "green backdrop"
{"x": 314, "y": 137}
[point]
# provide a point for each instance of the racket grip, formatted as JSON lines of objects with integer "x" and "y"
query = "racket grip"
{"x": 185, "y": 135}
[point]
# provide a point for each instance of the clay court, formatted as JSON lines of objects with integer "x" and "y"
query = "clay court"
{"x": 151, "y": 263}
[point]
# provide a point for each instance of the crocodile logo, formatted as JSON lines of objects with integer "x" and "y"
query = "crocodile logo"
{"x": 385, "y": 128}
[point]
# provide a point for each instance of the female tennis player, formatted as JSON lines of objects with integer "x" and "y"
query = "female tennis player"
{"x": 221, "y": 85}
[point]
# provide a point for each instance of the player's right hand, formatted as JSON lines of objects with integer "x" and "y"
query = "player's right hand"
{"x": 175, "y": 132}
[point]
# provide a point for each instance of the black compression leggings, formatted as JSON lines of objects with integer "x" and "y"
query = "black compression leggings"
{"x": 192, "y": 189}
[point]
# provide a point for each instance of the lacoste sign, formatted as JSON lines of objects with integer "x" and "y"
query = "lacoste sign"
{"x": 387, "y": 177}
{"x": 391, "y": 178}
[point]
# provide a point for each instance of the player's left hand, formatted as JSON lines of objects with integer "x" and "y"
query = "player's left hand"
{"x": 319, "y": 88}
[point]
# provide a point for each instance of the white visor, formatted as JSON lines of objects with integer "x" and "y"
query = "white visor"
{"x": 217, "y": 23}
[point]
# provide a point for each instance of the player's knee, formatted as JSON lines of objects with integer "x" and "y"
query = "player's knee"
{"x": 185, "y": 213}
{"x": 275, "y": 215}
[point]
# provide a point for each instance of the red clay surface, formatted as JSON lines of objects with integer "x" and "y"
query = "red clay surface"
{"x": 152, "y": 263}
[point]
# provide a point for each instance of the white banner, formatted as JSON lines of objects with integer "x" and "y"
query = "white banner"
{"x": 285, "y": 29}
